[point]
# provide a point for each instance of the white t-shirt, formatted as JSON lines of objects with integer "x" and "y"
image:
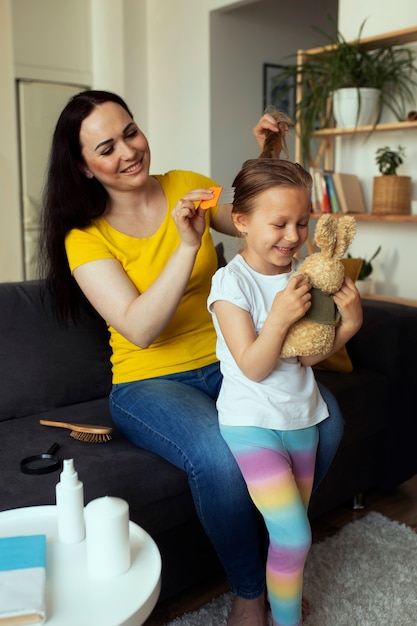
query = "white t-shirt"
{"x": 287, "y": 399}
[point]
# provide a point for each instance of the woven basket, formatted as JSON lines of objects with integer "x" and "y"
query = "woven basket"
{"x": 391, "y": 195}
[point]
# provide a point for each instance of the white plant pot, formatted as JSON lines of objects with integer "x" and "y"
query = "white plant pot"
{"x": 365, "y": 286}
{"x": 348, "y": 101}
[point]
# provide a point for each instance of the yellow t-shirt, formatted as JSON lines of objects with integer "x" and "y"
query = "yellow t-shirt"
{"x": 189, "y": 340}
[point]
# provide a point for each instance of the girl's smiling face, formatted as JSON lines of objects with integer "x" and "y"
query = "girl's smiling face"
{"x": 276, "y": 228}
{"x": 115, "y": 150}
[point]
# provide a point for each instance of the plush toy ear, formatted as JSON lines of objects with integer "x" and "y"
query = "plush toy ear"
{"x": 325, "y": 235}
{"x": 346, "y": 230}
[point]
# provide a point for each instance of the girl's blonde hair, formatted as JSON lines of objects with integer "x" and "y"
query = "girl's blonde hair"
{"x": 268, "y": 170}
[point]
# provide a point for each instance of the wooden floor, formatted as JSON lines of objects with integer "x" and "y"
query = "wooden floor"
{"x": 399, "y": 505}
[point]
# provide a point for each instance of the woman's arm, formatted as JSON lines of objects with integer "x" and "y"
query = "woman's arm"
{"x": 348, "y": 302}
{"x": 222, "y": 222}
{"x": 266, "y": 123}
{"x": 142, "y": 317}
{"x": 257, "y": 355}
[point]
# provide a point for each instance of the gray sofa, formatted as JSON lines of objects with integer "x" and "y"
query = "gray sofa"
{"x": 62, "y": 372}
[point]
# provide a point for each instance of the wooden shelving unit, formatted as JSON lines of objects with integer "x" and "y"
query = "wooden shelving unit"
{"x": 328, "y": 135}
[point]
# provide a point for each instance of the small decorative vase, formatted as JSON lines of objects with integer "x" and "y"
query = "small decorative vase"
{"x": 356, "y": 107}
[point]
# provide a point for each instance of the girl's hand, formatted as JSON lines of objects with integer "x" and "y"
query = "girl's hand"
{"x": 293, "y": 302}
{"x": 189, "y": 220}
{"x": 348, "y": 302}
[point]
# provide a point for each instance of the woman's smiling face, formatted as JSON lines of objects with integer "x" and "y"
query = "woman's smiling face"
{"x": 115, "y": 150}
{"x": 276, "y": 228}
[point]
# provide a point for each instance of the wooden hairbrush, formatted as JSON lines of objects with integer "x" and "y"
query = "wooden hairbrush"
{"x": 221, "y": 196}
{"x": 83, "y": 432}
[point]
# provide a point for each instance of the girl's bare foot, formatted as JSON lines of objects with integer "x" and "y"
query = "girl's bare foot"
{"x": 248, "y": 612}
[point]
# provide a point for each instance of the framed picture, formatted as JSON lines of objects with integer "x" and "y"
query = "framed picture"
{"x": 272, "y": 85}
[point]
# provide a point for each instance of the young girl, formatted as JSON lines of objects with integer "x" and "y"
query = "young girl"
{"x": 269, "y": 408}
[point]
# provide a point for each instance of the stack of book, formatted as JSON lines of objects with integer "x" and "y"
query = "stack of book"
{"x": 334, "y": 192}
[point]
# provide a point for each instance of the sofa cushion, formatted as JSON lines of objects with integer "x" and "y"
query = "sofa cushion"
{"x": 44, "y": 363}
{"x": 364, "y": 398}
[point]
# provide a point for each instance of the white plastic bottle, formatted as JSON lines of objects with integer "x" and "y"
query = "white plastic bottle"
{"x": 70, "y": 505}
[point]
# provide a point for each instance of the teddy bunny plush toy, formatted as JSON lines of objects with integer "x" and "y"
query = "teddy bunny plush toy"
{"x": 315, "y": 332}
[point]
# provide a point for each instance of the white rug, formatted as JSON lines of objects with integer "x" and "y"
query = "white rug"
{"x": 365, "y": 575}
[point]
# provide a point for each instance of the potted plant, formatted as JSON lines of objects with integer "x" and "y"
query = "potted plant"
{"x": 364, "y": 282}
{"x": 339, "y": 65}
{"x": 391, "y": 193}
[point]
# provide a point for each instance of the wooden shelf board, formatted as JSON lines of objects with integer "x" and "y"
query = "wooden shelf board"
{"x": 397, "y": 37}
{"x": 372, "y": 217}
{"x": 333, "y": 132}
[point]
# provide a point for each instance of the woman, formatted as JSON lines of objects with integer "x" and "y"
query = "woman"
{"x": 140, "y": 249}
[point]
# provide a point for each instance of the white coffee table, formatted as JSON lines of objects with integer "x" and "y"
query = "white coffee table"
{"x": 73, "y": 598}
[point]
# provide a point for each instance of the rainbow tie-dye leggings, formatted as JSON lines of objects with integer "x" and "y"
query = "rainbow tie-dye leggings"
{"x": 278, "y": 467}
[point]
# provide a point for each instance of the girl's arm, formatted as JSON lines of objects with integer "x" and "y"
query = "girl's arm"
{"x": 142, "y": 317}
{"x": 348, "y": 302}
{"x": 256, "y": 355}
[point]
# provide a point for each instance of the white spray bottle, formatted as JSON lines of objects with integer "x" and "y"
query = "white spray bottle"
{"x": 70, "y": 505}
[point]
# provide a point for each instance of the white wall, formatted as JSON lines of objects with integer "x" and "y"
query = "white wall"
{"x": 241, "y": 41}
{"x": 107, "y": 36}
{"x": 178, "y": 71}
{"x": 205, "y": 75}
{"x": 136, "y": 58}
{"x": 97, "y": 43}
{"x": 380, "y": 18}
{"x": 393, "y": 267}
{"x": 178, "y": 80}
{"x": 11, "y": 256}
{"x": 51, "y": 40}
{"x": 40, "y": 40}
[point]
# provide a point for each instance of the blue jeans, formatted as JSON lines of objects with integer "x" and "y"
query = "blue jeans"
{"x": 175, "y": 417}
{"x": 330, "y": 434}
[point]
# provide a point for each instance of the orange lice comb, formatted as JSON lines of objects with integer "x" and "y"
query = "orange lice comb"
{"x": 208, "y": 204}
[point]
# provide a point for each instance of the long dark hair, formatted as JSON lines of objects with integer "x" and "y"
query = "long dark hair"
{"x": 70, "y": 199}
{"x": 268, "y": 170}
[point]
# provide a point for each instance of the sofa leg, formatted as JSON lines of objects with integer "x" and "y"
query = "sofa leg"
{"x": 358, "y": 504}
